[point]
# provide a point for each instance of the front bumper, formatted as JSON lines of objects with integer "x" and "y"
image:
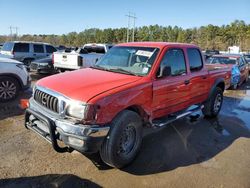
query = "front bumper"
{"x": 83, "y": 138}
{"x": 41, "y": 67}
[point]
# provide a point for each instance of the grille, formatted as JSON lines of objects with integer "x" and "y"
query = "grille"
{"x": 46, "y": 100}
{"x": 33, "y": 66}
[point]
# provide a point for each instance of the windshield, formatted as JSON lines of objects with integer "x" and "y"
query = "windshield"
{"x": 8, "y": 46}
{"x": 222, "y": 60}
{"x": 129, "y": 60}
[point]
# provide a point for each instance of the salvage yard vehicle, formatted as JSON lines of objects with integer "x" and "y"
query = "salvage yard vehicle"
{"x": 82, "y": 58}
{"x": 13, "y": 79}
{"x": 247, "y": 58}
{"x": 104, "y": 108}
{"x": 26, "y": 52}
{"x": 232, "y": 61}
{"x": 44, "y": 65}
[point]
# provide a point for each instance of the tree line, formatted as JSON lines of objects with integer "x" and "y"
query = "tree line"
{"x": 207, "y": 37}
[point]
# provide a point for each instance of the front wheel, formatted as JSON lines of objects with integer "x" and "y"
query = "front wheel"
{"x": 9, "y": 88}
{"x": 213, "y": 105}
{"x": 123, "y": 141}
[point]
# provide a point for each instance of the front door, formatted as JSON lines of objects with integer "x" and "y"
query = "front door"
{"x": 171, "y": 92}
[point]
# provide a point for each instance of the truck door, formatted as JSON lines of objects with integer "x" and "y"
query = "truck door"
{"x": 199, "y": 83}
{"x": 171, "y": 92}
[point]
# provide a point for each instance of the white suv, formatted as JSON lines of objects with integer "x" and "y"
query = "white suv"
{"x": 27, "y": 51}
{"x": 13, "y": 79}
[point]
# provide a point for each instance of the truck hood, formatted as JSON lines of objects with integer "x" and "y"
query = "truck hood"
{"x": 84, "y": 84}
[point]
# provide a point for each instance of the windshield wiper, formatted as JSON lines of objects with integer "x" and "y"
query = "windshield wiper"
{"x": 119, "y": 70}
{"x": 99, "y": 67}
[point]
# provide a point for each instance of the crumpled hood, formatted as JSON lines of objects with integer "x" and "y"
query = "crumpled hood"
{"x": 84, "y": 84}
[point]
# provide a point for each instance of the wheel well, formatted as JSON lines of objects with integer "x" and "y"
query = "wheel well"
{"x": 140, "y": 111}
{"x": 13, "y": 77}
{"x": 221, "y": 85}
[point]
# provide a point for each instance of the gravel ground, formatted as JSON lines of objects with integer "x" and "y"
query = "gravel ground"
{"x": 187, "y": 153}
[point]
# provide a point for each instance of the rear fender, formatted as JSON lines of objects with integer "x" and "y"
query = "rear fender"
{"x": 218, "y": 83}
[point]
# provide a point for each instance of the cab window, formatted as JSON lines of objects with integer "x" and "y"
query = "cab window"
{"x": 175, "y": 59}
{"x": 195, "y": 59}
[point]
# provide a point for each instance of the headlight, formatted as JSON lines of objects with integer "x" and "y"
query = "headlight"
{"x": 76, "y": 110}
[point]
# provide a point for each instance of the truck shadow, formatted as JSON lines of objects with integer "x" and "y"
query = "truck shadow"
{"x": 49, "y": 180}
{"x": 189, "y": 141}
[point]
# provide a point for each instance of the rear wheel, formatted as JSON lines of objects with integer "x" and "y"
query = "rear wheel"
{"x": 213, "y": 105}
{"x": 9, "y": 88}
{"x": 123, "y": 141}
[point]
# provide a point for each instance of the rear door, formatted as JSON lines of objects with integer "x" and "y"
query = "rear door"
{"x": 38, "y": 51}
{"x": 171, "y": 93}
{"x": 199, "y": 83}
{"x": 21, "y": 51}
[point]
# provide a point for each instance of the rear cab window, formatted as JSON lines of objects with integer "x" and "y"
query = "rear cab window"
{"x": 21, "y": 47}
{"x": 38, "y": 48}
{"x": 195, "y": 59}
{"x": 8, "y": 46}
{"x": 95, "y": 49}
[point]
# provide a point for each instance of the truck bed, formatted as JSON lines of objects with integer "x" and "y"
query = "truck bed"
{"x": 222, "y": 70}
{"x": 75, "y": 61}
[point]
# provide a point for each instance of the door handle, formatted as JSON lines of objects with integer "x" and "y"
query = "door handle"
{"x": 186, "y": 82}
{"x": 204, "y": 77}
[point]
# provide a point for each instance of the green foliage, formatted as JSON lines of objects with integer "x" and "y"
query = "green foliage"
{"x": 207, "y": 37}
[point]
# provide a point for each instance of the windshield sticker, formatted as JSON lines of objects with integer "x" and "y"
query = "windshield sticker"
{"x": 144, "y": 53}
{"x": 145, "y": 70}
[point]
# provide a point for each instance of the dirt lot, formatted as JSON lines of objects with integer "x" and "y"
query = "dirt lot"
{"x": 187, "y": 153}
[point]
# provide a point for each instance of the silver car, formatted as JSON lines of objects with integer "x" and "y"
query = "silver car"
{"x": 27, "y": 51}
{"x": 13, "y": 78}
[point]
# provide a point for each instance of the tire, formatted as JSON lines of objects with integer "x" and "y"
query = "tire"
{"x": 123, "y": 142}
{"x": 9, "y": 88}
{"x": 213, "y": 105}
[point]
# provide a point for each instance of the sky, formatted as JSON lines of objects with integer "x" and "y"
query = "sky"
{"x": 64, "y": 16}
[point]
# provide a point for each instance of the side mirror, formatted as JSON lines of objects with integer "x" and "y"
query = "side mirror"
{"x": 164, "y": 71}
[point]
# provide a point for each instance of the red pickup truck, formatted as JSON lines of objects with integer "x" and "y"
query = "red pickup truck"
{"x": 104, "y": 108}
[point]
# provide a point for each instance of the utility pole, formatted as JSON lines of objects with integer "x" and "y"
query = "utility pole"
{"x": 11, "y": 31}
{"x": 131, "y": 16}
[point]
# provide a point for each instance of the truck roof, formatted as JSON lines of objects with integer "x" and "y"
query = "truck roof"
{"x": 33, "y": 42}
{"x": 228, "y": 55}
{"x": 157, "y": 44}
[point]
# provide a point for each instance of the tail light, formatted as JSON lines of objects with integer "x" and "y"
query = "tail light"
{"x": 53, "y": 58}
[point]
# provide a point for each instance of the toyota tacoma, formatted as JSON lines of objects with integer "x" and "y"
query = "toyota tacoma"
{"x": 105, "y": 107}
